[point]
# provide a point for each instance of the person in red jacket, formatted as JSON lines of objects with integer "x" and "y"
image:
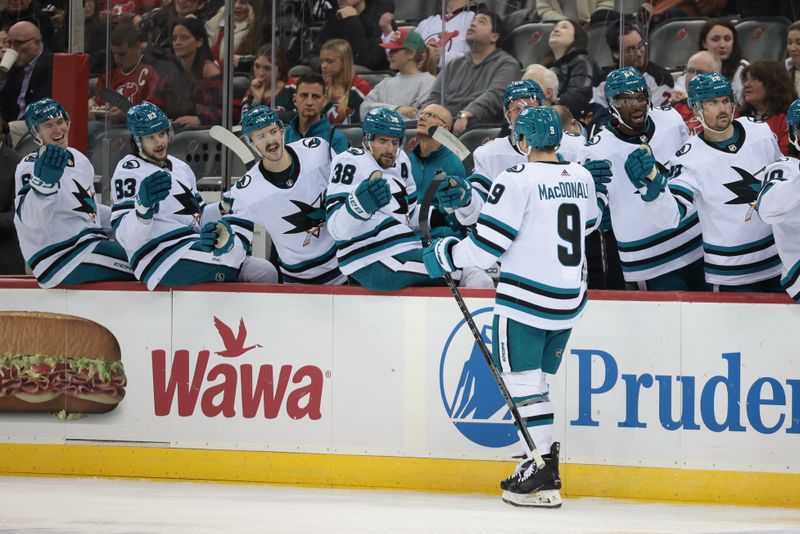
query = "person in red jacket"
{"x": 768, "y": 92}
{"x": 700, "y": 62}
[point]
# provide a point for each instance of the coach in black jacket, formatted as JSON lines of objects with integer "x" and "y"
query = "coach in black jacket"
{"x": 11, "y": 260}
{"x": 31, "y": 77}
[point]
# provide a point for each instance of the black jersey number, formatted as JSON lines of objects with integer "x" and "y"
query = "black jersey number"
{"x": 569, "y": 229}
{"x": 344, "y": 174}
{"x": 125, "y": 188}
{"x": 497, "y": 192}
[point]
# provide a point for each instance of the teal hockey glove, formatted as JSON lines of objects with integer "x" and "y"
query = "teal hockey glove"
{"x": 453, "y": 193}
{"x": 370, "y": 196}
{"x": 49, "y": 168}
{"x": 601, "y": 173}
{"x": 642, "y": 170}
{"x": 152, "y": 190}
{"x": 438, "y": 257}
{"x": 225, "y": 237}
{"x": 207, "y": 238}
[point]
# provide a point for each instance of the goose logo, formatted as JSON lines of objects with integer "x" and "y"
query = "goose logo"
{"x": 470, "y": 395}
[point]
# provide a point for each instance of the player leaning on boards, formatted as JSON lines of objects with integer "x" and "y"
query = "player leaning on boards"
{"x": 541, "y": 209}
{"x": 714, "y": 173}
{"x": 172, "y": 238}
{"x": 371, "y": 208}
{"x": 778, "y": 204}
{"x": 284, "y": 192}
{"x": 57, "y": 219}
{"x": 650, "y": 257}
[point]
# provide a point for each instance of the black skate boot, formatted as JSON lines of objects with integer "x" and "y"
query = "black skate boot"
{"x": 534, "y": 486}
{"x": 549, "y": 459}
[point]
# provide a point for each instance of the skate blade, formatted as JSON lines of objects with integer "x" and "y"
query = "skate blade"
{"x": 539, "y": 499}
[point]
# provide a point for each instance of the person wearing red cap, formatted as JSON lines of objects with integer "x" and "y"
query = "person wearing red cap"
{"x": 407, "y": 90}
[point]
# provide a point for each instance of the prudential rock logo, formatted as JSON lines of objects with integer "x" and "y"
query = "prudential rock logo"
{"x": 469, "y": 393}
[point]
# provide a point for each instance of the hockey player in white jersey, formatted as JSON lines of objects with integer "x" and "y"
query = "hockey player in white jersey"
{"x": 714, "y": 174}
{"x": 172, "y": 238}
{"x": 650, "y": 257}
{"x": 285, "y": 192}
{"x": 371, "y": 206}
{"x": 534, "y": 222}
{"x": 778, "y": 204}
{"x": 57, "y": 218}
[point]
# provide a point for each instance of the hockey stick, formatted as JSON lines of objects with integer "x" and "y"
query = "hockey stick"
{"x": 426, "y": 233}
{"x": 445, "y": 138}
{"x": 115, "y": 99}
{"x": 236, "y": 145}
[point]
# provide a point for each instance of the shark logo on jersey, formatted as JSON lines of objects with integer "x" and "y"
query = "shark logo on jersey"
{"x": 746, "y": 189}
{"x": 86, "y": 200}
{"x": 470, "y": 395}
{"x": 191, "y": 206}
{"x": 310, "y": 219}
{"x": 401, "y": 197}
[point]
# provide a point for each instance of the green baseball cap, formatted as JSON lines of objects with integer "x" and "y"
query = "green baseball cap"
{"x": 405, "y": 38}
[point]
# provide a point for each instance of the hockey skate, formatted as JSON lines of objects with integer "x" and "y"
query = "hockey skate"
{"x": 531, "y": 486}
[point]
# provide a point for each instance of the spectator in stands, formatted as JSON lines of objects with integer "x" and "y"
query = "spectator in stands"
{"x": 409, "y": 88}
{"x": 310, "y": 99}
{"x": 429, "y": 157}
{"x": 719, "y": 37}
{"x": 568, "y": 121}
{"x": 587, "y": 11}
{"x": 94, "y": 37}
{"x": 457, "y": 21}
{"x": 546, "y": 79}
{"x": 156, "y": 26}
{"x": 475, "y": 82}
{"x": 260, "y": 91}
{"x": 699, "y": 62}
{"x": 29, "y": 80}
{"x": 634, "y": 54}
{"x": 29, "y": 10}
{"x": 570, "y": 60}
{"x": 657, "y": 11}
{"x": 133, "y": 77}
{"x": 590, "y": 115}
{"x": 344, "y": 88}
{"x": 770, "y": 107}
{"x": 11, "y": 260}
{"x": 793, "y": 53}
{"x": 248, "y": 30}
{"x": 200, "y": 73}
{"x": 4, "y": 44}
{"x": 357, "y": 21}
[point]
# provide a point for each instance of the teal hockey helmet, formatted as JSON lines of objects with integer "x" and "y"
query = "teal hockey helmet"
{"x": 40, "y": 111}
{"x": 540, "y": 127}
{"x": 793, "y": 123}
{"x": 257, "y": 118}
{"x": 625, "y": 81}
{"x": 147, "y": 119}
{"x": 520, "y": 89}
{"x": 708, "y": 85}
{"x": 384, "y": 121}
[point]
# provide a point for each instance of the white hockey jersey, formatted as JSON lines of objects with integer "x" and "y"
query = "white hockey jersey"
{"x": 719, "y": 183}
{"x": 571, "y": 145}
{"x": 154, "y": 247}
{"x": 534, "y": 223}
{"x": 58, "y": 231}
{"x": 390, "y": 230}
{"x": 455, "y": 36}
{"x": 646, "y": 250}
{"x": 779, "y": 205}
{"x": 294, "y": 216}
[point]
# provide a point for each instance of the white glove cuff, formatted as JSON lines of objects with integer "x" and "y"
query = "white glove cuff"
{"x": 355, "y": 208}
{"x": 43, "y": 187}
{"x": 143, "y": 213}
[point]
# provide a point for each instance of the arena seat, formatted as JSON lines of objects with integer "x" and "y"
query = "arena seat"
{"x": 763, "y": 38}
{"x": 25, "y": 145}
{"x": 407, "y": 12}
{"x": 375, "y": 77}
{"x": 107, "y": 149}
{"x": 529, "y": 42}
{"x": 600, "y": 51}
{"x": 199, "y": 150}
{"x": 671, "y": 43}
{"x": 352, "y": 133}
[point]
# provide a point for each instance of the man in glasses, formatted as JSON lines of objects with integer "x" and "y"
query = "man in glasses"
{"x": 27, "y": 10}
{"x": 632, "y": 48}
{"x": 29, "y": 80}
{"x": 700, "y": 63}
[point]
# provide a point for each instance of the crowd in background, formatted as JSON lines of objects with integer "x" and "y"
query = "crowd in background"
{"x": 172, "y": 54}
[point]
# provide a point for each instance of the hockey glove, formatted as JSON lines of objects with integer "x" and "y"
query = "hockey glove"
{"x": 152, "y": 190}
{"x": 601, "y": 173}
{"x": 454, "y": 192}
{"x": 438, "y": 257}
{"x": 225, "y": 238}
{"x": 642, "y": 171}
{"x": 48, "y": 169}
{"x": 226, "y": 204}
{"x": 369, "y": 197}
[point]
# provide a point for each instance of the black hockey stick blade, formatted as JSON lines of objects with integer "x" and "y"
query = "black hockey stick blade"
{"x": 424, "y": 225}
{"x": 115, "y": 99}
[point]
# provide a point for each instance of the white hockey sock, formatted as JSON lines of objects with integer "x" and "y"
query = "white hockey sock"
{"x": 531, "y": 394}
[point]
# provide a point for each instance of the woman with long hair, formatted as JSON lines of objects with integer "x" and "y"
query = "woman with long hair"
{"x": 770, "y": 107}
{"x": 570, "y": 60}
{"x": 719, "y": 37}
{"x": 248, "y": 30}
{"x": 260, "y": 90}
{"x": 344, "y": 88}
{"x": 793, "y": 54}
